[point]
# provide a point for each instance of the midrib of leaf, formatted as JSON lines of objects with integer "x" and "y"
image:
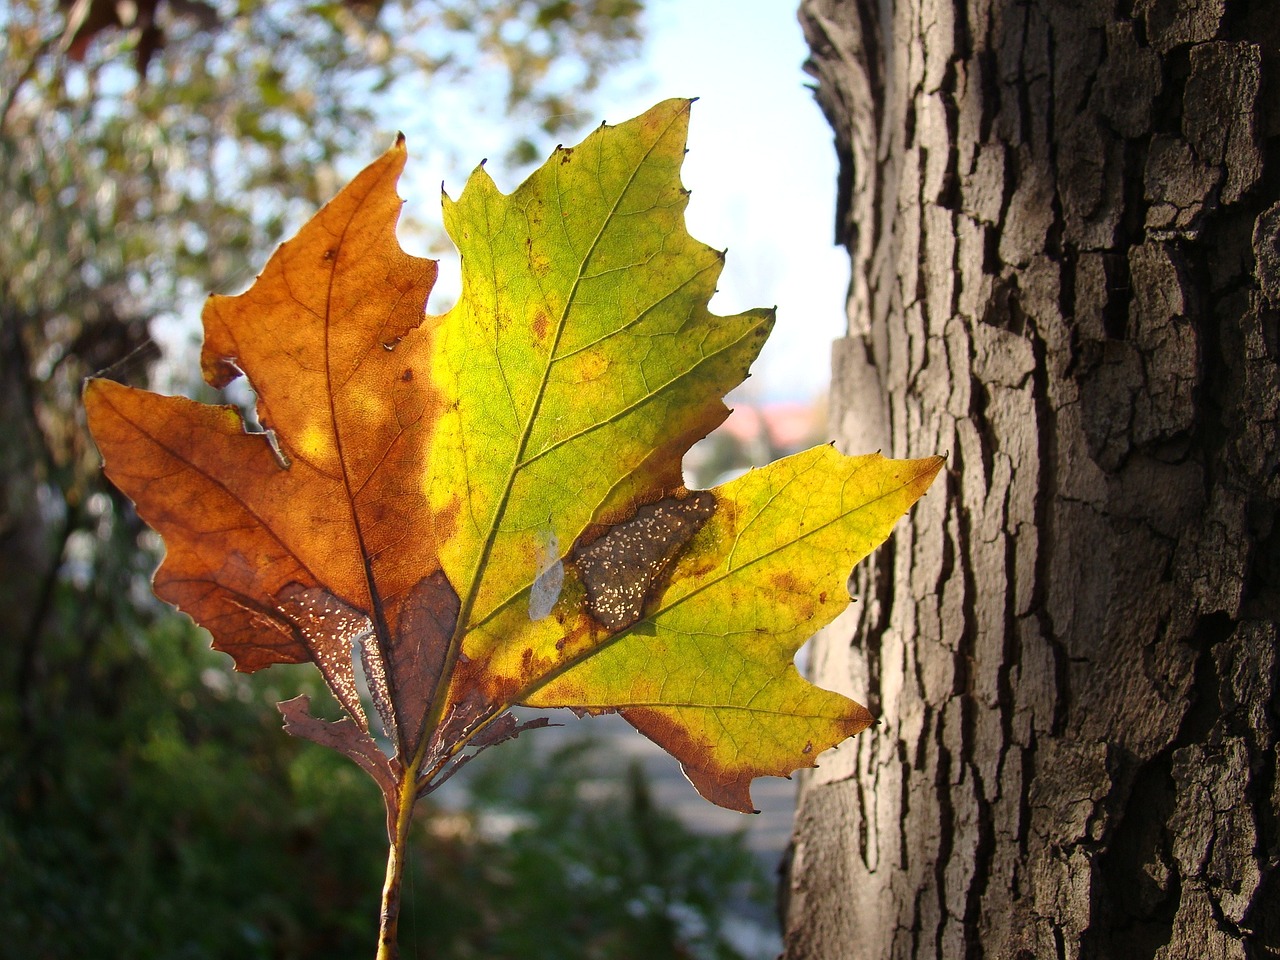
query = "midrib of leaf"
{"x": 382, "y": 635}
{"x": 558, "y": 671}
{"x": 674, "y": 381}
{"x": 463, "y": 626}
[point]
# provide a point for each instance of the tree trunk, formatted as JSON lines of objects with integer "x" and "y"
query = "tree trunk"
{"x": 1065, "y": 236}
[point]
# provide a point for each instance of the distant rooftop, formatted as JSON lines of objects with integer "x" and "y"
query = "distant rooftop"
{"x": 788, "y": 426}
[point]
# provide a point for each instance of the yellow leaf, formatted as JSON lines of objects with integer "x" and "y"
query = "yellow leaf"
{"x": 485, "y": 508}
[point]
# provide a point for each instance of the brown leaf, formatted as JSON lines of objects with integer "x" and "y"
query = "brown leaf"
{"x": 349, "y": 740}
{"x": 417, "y": 651}
{"x": 86, "y": 19}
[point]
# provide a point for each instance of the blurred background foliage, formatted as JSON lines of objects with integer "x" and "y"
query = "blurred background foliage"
{"x": 150, "y": 806}
{"x": 185, "y": 824}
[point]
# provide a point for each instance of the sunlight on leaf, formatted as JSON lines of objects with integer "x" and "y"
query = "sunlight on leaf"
{"x": 485, "y": 508}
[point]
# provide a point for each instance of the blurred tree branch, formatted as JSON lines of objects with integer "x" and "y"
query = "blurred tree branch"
{"x": 151, "y": 152}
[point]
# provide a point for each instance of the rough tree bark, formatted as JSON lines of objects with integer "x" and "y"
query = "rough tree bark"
{"x": 1064, "y": 226}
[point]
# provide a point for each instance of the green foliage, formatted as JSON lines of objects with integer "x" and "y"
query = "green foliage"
{"x": 619, "y": 878}
{"x": 165, "y": 832}
{"x": 162, "y": 830}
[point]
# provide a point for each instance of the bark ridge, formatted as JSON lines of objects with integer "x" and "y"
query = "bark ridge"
{"x": 1065, "y": 237}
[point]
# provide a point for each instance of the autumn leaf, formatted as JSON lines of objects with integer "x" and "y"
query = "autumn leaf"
{"x": 486, "y": 508}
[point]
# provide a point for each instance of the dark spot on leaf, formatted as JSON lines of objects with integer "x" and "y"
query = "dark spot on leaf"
{"x": 580, "y": 633}
{"x": 791, "y": 590}
{"x": 328, "y": 255}
{"x": 785, "y": 581}
{"x": 328, "y": 627}
{"x": 407, "y": 375}
{"x": 566, "y": 154}
{"x": 622, "y": 568}
{"x": 540, "y": 323}
{"x": 426, "y": 623}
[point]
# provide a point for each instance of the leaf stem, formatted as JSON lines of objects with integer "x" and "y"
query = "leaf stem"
{"x": 397, "y": 853}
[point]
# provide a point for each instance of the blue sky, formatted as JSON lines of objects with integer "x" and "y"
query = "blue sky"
{"x": 761, "y": 168}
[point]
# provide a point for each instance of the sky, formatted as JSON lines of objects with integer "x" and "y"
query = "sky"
{"x": 761, "y": 168}
{"x": 762, "y": 171}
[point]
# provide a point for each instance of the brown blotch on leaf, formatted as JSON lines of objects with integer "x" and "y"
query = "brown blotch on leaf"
{"x": 349, "y": 740}
{"x": 328, "y": 627}
{"x": 428, "y": 617}
{"x": 785, "y": 581}
{"x": 790, "y": 591}
{"x": 721, "y": 785}
{"x": 622, "y": 568}
{"x": 444, "y": 522}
